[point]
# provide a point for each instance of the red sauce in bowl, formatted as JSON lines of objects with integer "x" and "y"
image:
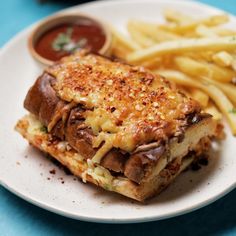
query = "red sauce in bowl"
{"x": 64, "y": 39}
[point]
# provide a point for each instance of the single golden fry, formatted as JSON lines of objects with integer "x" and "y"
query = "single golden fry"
{"x": 188, "y": 26}
{"x": 119, "y": 52}
{"x": 125, "y": 41}
{"x": 215, "y": 20}
{"x": 139, "y": 37}
{"x": 176, "y": 16}
{"x": 222, "y": 31}
{"x": 228, "y": 89}
{"x": 234, "y": 63}
{"x": 181, "y": 46}
{"x": 215, "y": 94}
{"x": 223, "y": 58}
{"x": 153, "y": 64}
{"x": 199, "y": 69}
{"x": 153, "y": 31}
{"x": 118, "y": 49}
{"x": 199, "y": 96}
{"x": 204, "y": 31}
{"x": 212, "y": 109}
{"x": 200, "y": 56}
{"x": 190, "y": 66}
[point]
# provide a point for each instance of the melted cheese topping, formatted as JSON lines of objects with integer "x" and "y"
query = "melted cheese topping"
{"x": 128, "y": 104}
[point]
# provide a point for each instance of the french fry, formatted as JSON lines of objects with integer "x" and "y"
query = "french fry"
{"x": 119, "y": 52}
{"x": 118, "y": 49}
{"x": 215, "y": 94}
{"x": 176, "y": 16}
{"x": 188, "y": 26}
{"x": 125, "y": 41}
{"x": 181, "y": 46}
{"x": 199, "y": 69}
{"x": 204, "y": 31}
{"x": 153, "y": 64}
{"x": 153, "y": 31}
{"x": 200, "y": 56}
{"x": 215, "y": 20}
{"x": 234, "y": 63}
{"x": 199, "y": 96}
{"x": 211, "y": 109}
{"x": 223, "y": 58}
{"x": 191, "y": 67}
{"x": 222, "y": 31}
{"x": 228, "y": 89}
{"x": 138, "y": 37}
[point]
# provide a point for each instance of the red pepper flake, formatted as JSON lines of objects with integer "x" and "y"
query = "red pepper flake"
{"x": 113, "y": 109}
{"x": 53, "y": 171}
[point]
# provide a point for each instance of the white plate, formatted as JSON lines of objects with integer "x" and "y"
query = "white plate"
{"x": 25, "y": 171}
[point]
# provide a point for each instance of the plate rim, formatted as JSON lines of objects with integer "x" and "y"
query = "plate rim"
{"x": 106, "y": 220}
{"x": 83, "y": 217}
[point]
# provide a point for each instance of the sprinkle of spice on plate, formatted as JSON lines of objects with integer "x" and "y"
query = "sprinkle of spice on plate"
{"x": 53, "y": 171}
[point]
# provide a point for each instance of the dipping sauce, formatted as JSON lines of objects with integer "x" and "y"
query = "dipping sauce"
{"x": 66, "y": 38}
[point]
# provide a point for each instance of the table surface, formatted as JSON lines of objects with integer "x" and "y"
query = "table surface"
{"x": 18, "y": 217}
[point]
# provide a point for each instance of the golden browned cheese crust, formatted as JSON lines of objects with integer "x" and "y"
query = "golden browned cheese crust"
{"x": 125, "y": 106}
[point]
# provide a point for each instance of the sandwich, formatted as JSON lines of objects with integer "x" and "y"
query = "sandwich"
{"x": 117, "y": 126}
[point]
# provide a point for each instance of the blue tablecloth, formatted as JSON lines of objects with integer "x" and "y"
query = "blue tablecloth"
{"x": 18, "y": 217}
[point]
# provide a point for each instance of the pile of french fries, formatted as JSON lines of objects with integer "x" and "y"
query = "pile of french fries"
{"x": 198, "y": 55}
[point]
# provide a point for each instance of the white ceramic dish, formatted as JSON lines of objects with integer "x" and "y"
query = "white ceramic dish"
{"x": 25, "y": 171}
